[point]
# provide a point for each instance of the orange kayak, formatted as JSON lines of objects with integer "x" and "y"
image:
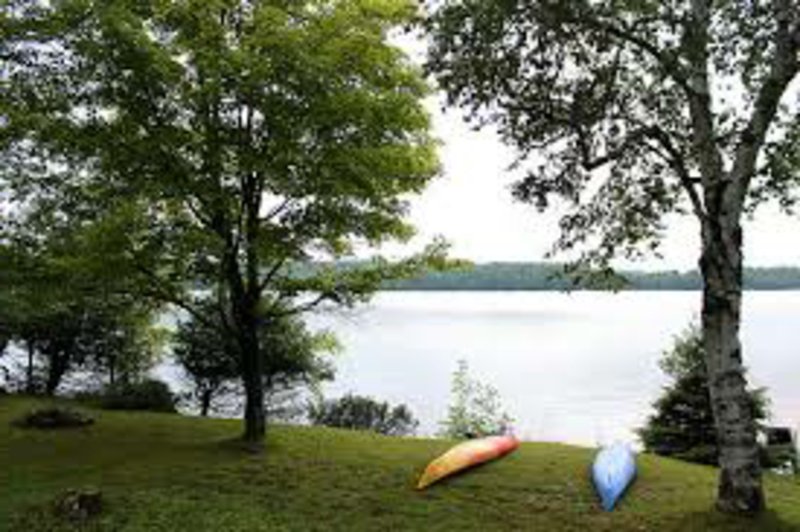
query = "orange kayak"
{"x": 465, "y": 455}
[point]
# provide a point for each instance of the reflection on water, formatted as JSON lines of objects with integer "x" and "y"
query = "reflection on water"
{"x": 579, "y": 368}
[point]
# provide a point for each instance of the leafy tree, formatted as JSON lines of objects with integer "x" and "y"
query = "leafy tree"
{"x": 630, "y": 111}
{"x": 292, "y": 357}
{"x": 67, "y": 319}
{"x": 475, "y": 410}
{"x": 683, "y": 424}
{"x": 201, "y": 352}
{"x": 224, "y": 143}
{"x": 363, "y": 413}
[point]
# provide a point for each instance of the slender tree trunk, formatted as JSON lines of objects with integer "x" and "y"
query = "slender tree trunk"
{"x": 739, "y": 489}
{"x": 205, "y": 402}
{"x": 29, "y": 387}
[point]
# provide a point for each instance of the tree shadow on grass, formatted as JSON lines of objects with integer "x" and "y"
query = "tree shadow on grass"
{"x": 238, "y": 446}
{"x": 712, "y": 519}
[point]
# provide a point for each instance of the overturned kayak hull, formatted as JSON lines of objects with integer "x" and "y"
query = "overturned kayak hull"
{"x": 465, "y": 455}
{"x": 613, "y": 471}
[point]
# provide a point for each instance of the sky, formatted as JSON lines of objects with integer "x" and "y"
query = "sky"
{"x": 470, "y": 204}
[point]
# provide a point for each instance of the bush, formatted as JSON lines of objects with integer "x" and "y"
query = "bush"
{"x": 682, "y": 426}
{"x": 53, "y": 417}
{"x": 149, "y": 394}
{"x": 476, "y": 410}
{"x": 363, "y": 413}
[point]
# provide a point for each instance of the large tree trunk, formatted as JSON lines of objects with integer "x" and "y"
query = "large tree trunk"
{"x": 59, "y": 363}
{"x": 251, "y": 366}
{"x": 739, "y": 489}
{"x": 254, "y": 417}
{"x": 244, "y": 306}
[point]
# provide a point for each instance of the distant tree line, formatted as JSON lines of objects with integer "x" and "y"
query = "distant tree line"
{"x": 552, "y": 276}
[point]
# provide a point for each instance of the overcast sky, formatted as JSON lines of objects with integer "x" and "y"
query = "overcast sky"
{"x": 471, "y": 206}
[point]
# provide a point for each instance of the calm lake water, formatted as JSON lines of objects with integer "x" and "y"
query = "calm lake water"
{"x": 579, "y": 368}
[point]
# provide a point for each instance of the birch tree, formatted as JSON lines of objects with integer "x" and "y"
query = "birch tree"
{"x": 634, "y": 109}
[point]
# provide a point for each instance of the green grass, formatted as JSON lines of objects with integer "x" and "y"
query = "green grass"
{"x": 172, "y": 473}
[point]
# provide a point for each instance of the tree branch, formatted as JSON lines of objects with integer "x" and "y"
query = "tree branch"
{"x": 696, "y": 41}
{"x": 277, "y": 209}
{"x": 676, "y": 161}
{"x": 305, "y": 307}
{"x": 590, "y": 163}
{"x": 784, "y": 68}
{"x": 158, "y": 291}
{"x": 667, "y": 59}
{"x": 271, "y": 274}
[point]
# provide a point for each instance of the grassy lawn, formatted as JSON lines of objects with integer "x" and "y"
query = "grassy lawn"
{"x": 172, "y": 473}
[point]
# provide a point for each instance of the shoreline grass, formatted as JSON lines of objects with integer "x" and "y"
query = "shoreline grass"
{"x": 176, "y": 473}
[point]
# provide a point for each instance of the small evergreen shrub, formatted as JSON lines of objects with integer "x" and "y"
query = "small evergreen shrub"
{"x": 476, "y": 410}
{"x": 682, "y": 425}
{"x": 150, "y": 394}
{"x": 54, "y": 417}
{"x": 363, "y": 413}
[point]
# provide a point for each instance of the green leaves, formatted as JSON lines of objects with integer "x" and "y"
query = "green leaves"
{"x": 349, "y": 283}
{"x": 206, "y": 114}
{"x": 475, "y": 410}
{"x": 682, "y": 425}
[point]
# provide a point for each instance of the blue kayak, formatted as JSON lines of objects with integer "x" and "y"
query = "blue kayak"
{"x": 612, "y": 472}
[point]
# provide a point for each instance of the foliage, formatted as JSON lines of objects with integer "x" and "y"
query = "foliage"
{"x": 683, "y": 424}
{"x": 598, "y": 100}
{"x": 148, "y": 394}
{"x": 224, "y": 143}
{"x": 363, "y": 413}
{"x": 176, "y": 474}
{"x": 67, "y": 319}
{"x": 780, "y": 451}
{"x": 475, "y": 409}
{"x": 53, "y": 417}
{"x": 210, "y": 367}
{"x": 292, "y": 356}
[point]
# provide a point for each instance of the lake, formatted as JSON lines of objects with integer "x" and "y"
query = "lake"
{"x": 579, "y": 368}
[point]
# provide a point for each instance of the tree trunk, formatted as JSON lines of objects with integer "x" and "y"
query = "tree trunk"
{"x": 59, "y": 363}
{"x": 251, "y": 366}
{"x": 254, "y": 417}
{"x": 739, "y": 489}
{"x": 205, "y": 403}
{"x": 29, "y": 387}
